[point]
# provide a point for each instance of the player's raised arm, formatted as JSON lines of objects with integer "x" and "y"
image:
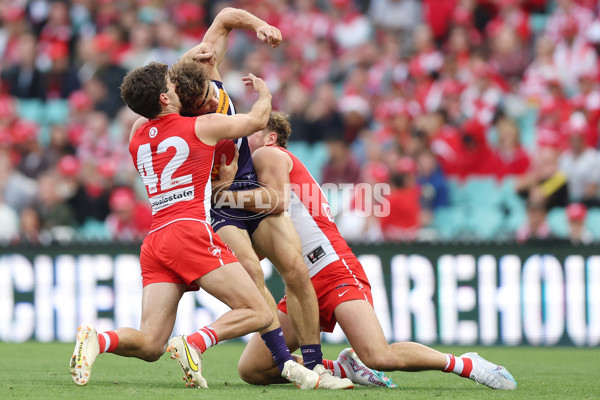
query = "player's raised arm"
{"x": 211, "y": 128}
{"x": 214, "y": 44}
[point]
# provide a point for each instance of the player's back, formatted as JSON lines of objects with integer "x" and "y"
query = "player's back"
{"x": 175, "y": 167}
{"x": 310, "y": 212}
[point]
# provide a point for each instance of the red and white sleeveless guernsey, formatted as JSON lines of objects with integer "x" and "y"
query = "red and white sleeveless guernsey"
{"x": 175, "y": 167}
{"x": 322, "y": 243}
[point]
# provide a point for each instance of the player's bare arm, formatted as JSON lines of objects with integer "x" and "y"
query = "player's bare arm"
{"x": 214, "y": 45}
{"x": 273, "y": 171}
{"x": 211, "y": 128}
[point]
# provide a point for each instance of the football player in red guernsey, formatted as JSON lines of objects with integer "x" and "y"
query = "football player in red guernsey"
{"x": 341, "y": 284}
{"x": 273, "y": 235}
{"x": 173, "y": 155}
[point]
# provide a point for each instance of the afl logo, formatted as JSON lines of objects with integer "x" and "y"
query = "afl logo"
{"x": 153, "y": 132}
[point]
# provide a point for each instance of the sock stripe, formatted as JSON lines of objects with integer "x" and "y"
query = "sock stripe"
{"x": 468, "y": 367}
{"x": 211, "y": 333}
{"x": 450, "y": 363}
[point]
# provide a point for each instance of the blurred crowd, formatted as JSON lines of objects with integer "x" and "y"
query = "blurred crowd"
{"x": 415, "y": 94}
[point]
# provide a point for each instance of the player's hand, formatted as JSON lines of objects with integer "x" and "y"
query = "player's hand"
{"x": 257, "y": 84}
{"x": 227, "y": 171}
{"x": 205, "y": 54}
{"x": 270, "y": 35}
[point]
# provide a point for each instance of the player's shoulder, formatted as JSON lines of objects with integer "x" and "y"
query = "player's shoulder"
{"x": 137, "y": 125}
{"x": 271, "y": 155}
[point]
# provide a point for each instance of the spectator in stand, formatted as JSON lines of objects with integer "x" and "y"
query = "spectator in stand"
{"x": 513, "y": 158}
{"x": 564, "y": 15}
{"x": 341, "y": 167}
{"x": 9, "y": 221}
{"x": 573, "y": 56}
{"x": 129, "y": 220}
{"x": 56, "y": 215}
{"x": 359, "y": 223}
{"x": 578, "y": 233}
{"x": 23, "y": 78}
{"x": 544, "y": 182}
{"x": 400, "y": 16}
{"x": 588, "y": 102}
{"x": 138, "y": 53}
{"x": 25, "y": 140}
{"x": 536, "y": 226}
{"x": 351, "y": 29}
{"x": 482, "y": 96}
{"x": 509, "y": 57}
{"x": 433, "y": 184}
{"x": 30, "y": 228}
{"x": 533, "y": 83}
{"x": 104, "y": 75}
{"x": 61, "y": 78}
{"x": 18, "y": 191}
{"x": 405, "y": 218}
{"x": 580, "y": 163}
{"x": 322, "y": 116}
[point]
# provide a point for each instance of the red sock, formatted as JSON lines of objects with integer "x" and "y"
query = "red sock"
{"x": 458, "y": 365}
{"x": 108, "y": 341}
{"x": 335, "y": 367}
{"x": 203, "y": 339}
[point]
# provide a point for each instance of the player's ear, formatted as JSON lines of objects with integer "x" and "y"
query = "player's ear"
{"x": 271, "y": 138}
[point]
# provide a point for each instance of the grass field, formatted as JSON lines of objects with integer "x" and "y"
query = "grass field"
{"x": 40, "y": 371}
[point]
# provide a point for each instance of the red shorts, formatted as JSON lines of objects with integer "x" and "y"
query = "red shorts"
{"x": 338, "y": 282}
{"x": 181, "y": 253}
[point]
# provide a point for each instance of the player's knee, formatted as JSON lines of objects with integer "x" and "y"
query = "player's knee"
{"x": 154, "y": 353}
{"x": 247, "y": 373}
{"x": 296, "y": 275}
{"x": 264, "y": 318}
{"x": 255, "y": 272}
{"x": 375, "y": 360}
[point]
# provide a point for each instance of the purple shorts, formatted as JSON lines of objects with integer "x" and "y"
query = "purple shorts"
{"x": 242, "y": 219}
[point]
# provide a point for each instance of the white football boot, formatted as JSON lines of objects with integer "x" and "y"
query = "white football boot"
{"x": 299, "y": 375}
{"x": 189, "y": 360}
{"x": 328, "y": 381}
{"x": 490, "y": 374}
{"x": 359, "y": 373}
{"x": 86, "y": 350}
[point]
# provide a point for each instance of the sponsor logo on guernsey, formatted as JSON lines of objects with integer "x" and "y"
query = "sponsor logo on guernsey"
{"x": 316, "y": 254}
{"x": 153, "y": 132}
{"x": 165, "y": 200}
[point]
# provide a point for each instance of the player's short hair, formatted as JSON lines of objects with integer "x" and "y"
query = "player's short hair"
{"x": 279, "y": 123}
{"x": 190, "y": 79}
{"x": 142, "y": 87}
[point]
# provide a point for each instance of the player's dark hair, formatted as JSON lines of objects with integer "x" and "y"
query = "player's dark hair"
{"x": 191, "y": 85}
{"x": 142, "y": 87}
{"x": 279, "y": 123}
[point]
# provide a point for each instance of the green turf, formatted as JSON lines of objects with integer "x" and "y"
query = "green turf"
{"x": 40, "y": 371}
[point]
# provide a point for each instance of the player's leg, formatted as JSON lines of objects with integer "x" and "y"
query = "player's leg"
{"x": 233, "y": 286}
{"x": 249, "y": 312}
{"x": 277, "y": 239}
{"x": 159, "y": 307}
{"x": 239, "y": 242}
{"x": 256, "y": 366}
{"x": 361, "y": 326}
